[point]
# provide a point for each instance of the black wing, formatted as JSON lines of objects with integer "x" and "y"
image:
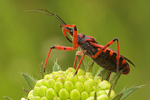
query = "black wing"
{"x": 128, "y": 60}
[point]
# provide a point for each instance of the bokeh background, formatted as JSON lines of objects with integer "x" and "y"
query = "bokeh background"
{"x": 25, "y": 38}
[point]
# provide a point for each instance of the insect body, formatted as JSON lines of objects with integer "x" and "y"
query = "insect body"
{"x": 107, "y": 58}
{"x": 102, "y": 55}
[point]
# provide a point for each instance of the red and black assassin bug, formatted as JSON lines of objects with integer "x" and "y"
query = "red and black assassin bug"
{"x": 102, "y": 55}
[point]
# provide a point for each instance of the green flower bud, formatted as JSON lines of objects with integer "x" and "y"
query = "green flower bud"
{"x": 54, "y": 73}
{"x": 68, "y": 85}
{"x": 81, "y": 78}
{"x": 101, "y": 92}
{"x": 37, "y": 98}
{"x": 38, "y": 83}
{"x": 92, "y": 81}
{"x": 61, "y": 79}
{"x": 58, "y": 86}
{"x": 70, "y": 74}
{"x": 71, "y": 69}
{"x": 74, "y": 78}
{"x": 50, "y": 94}
{"x": 56, "y": 98}
{"x": 112, "y": 94}
{"x": 90, "y": 98}
{"x": 59, "y": 72}
{"x": 23, "y": 99}
{"x": 68, "y": 78}
{"x": 92, "y": 94}
{"x": 97, "y": 80}
{"x": 63, "y": 94}
{"x": 42, "y": 90}
{"x": 89, "y": 75}
{"x": 44, "y": 82}
{"x": 55, "y": 76}
{"x": 31, "y": 98}
{"x": 30, "y": 94}
{"x": 74, "y": 94}
{"x": 102, "y": 97}
{"x": 79, "y": 86}
{"x": 44, "y": 98}
{"x": 47, "y": 77}
{"x": 36, "y": 91}
{"x": 94, "y": 88}
{"x": 84, "y": 95}
{"x": 51, "y": 83}
{"x": 104, "y": 85}
{"x": 62, "y": 73}
{"x": 80, "y": 72}
{"x": 88, "y": 86}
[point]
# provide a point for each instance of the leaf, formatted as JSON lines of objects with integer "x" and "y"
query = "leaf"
{"x": 7, "y": 98}
{"x": 104, "y": 74}
{"x": 90, "y": 68}
{"x": 98, "y": 72}
{"x": 117, "y": 97}
{"x": 56, "y": 67}
{"x": 115, "y": 79}
{"x": 128, "y": 91}
{"x": 29, "y": 80}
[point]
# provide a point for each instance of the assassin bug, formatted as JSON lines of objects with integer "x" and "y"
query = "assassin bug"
{"x": 102, "y": 55}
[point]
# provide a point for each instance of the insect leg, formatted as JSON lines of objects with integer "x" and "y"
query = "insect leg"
{"x": 77, "y": 54}
{"x": 58, "y": 48}
{"x": 80, "y": 63}
{"x": 104, "y": 47}
{"x": 108, "y": 76}
{"x": 70, "y": 31}
{"x": 75, "y": 61}
{"x": 75, "y": 44}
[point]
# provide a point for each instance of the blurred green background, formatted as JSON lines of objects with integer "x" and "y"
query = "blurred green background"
{"x": 25, "y": 38}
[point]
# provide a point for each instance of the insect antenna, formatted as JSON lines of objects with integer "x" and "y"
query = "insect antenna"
{"x": 46, "y": 12}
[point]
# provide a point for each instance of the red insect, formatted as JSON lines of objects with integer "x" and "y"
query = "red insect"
{"x": 102, "y": 55}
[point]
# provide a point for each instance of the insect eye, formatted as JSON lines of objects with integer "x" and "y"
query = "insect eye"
{"x": 71, "y": 31}
{"x": 83, "y": 35}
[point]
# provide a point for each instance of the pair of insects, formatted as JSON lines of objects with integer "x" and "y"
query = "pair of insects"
{"x": 102, "y": 55}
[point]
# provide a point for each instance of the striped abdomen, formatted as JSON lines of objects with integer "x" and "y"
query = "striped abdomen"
{"x": 108, "y": 60}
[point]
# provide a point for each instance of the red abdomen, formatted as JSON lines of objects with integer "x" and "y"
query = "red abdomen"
{"x": 108, "y": 60}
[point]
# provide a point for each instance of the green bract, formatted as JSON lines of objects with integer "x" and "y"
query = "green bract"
{"x": 64, "y": 85}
